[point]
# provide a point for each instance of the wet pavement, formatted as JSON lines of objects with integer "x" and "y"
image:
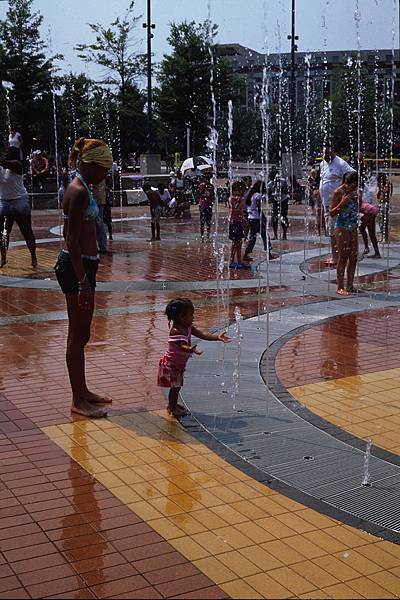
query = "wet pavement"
{"x": 138, "y": 507}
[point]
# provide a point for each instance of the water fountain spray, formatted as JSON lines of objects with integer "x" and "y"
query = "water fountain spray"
{"x": 367, "y": 459}
{"x": 236, "y": 370}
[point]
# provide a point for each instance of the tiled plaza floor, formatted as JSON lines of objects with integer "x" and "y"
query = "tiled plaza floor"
{"x": 134, "y": 506}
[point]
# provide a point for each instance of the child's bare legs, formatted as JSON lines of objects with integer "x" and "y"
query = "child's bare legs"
{"x": 239, "y": 251}
{"x": 173, "y": 408}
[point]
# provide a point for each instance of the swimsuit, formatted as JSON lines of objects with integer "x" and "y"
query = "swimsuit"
{"x": 172, "y": 365}
{"x": 92, "y": 211}
{"x": 347, "y": 218}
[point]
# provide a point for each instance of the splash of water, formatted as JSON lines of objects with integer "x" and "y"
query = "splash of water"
{"x": 367, "y": 460}
{"x": 236, "y": 370}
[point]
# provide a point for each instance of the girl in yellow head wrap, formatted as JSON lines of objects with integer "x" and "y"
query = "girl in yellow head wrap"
{"x": 77, "y": 265}
{"x": 91, "y": 151}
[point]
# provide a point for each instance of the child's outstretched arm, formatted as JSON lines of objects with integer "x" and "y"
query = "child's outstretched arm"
{"x": 189, "y": 349}
{"x": 211, "y": 337}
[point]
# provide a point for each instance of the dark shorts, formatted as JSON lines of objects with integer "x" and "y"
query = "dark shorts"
{"x": 206, "y": 214}
{"x": 66, "y": 277}
{"x": 236, "y": 233}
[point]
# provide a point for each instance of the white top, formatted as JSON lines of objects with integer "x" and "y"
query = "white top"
{"x": 11, "y": 185}
{"x": 165, "y": 196}
{"x": 252, "y": 210}
{"x": 15, "y": 140}
{"x": 332, "y": 177}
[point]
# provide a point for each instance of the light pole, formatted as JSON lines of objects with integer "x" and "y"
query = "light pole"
{"x": 294, "y": 48}
{"x": 150, "y": 124}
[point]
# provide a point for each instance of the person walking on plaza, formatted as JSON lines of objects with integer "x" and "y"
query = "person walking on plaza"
{"x": 332, "y": 170}
{"x": 206, "y": 199}
{"x": 236, "y": 224}
{"x": 278, "y": 195}
{"x": 385, "y": 192}
{"x": 368, "y": 226}
{"x": 77, "y": 266}
{"x": 39, "y": 169}
{"x": 14, "y": 205}
{"x": 99, "y": 192}
{"x": 344, "y": 209}
{"x": 257, "y": 221}
{"x": 15, "y": 141}
{"x": 154, "y": 199}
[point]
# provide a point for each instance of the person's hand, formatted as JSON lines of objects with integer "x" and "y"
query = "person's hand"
{"x": 222, "y": 337}
{"x": 196, "y": 351}
{"x": 85, "y": 297}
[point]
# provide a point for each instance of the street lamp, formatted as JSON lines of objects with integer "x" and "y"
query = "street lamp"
{"x": 150, "y": 124}
{"x": 294, "y": 49}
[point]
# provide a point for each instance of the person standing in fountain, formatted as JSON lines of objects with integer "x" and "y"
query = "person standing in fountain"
{"x": 236, "y": 224}
{"x": 154, "y": 199}
{"x": 14, "y": 205}
{"x": 344, "y": 209}
{"x": 333, "y": 168}
{"x": 206, "y": 197}
{"x": 77, "y": 266}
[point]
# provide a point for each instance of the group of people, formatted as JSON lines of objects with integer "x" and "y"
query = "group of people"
{"x": 85, "y": 197}
{"x": 341, "y": 196}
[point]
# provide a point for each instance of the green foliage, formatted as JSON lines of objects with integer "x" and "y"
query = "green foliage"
{"x": 27, "y": 68}
{"x": 183, "y": 98}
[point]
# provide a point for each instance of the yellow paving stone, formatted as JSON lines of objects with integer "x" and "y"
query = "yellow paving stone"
{"x": 165, "y": 506}
{"x": 187, "y": 523}
{"x": 249, "y": 508}
{"x": 369, "y": 589}
{"x": 240, "y": 590}
{"x": 292, "y": 580}
{"x": 229, "y": 514}
{"x": 225, "y": 494}
{"x": 128, "y": 476}
{"x": 305, "y": 547}
{"x": 337, "y": 568}
{"x": 125, "y": 494}
{"x": 316, "y": 594}
{"x": 253, "y": 531}
{"x": 264, "y": 560}
{"x": 214, "y": 543}
{"x": 283, "y": 552}
{"x": 166, "y": 528}
{"x": 203, "y": 480}
{"x": 358, "y": 562}
{"x": 145, "y": 511}
{"x": 294, "y": 521}
{"x": 352, "y": 538}
{"x": 185, "y": 501}
{"x": 240, "y": 563}
{"x": 320, "y": 521}
{"x": 234, "y": 537}
{"x": 382, "y": 558}
{"x": 189, "y": 548}
{"x": 276, "y": 528}
{"x": 387, "y": 580}
{"x": 325, "y": 541}
{"x": 340, "y": 591}
{"x": 315, "y": 574}
{"x": 209, "y": 519}
{"x": 268, "y": 505}
{"x": 244, "y": 490}
{"x": 206, "y": 498}
{"x": 222, "y": 476}
{"x": 215, "y": 569}
{"x": 268, "y": 587}
{"x": 147, "y": 490}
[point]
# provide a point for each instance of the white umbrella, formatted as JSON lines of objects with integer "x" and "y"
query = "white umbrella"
{"x": 202, "y": 162}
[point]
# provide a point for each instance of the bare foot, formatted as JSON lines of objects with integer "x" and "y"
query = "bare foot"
{"x": 376, "y": 256}
{"x": 34, "y": 262}
{"x": 177, "y": 412}
{"x": 96, "y": 398}
{"x": 342, "y": 292}
{"x": 87, "y": 410}
{"x": 352, "y": 290}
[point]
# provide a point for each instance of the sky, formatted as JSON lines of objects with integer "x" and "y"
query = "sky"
{"x": 262, "y": 25}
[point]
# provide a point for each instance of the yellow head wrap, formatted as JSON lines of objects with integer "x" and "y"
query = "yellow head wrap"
{"x": 91, "y": 151}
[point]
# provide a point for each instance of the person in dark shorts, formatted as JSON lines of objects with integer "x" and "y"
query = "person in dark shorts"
{"x": 236, "y": 224}
{"x": 77, "y": 266}
{"x": 206, "y": 197}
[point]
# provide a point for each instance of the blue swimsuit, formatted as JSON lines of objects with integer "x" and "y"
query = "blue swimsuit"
{"x": 92, "y": 211}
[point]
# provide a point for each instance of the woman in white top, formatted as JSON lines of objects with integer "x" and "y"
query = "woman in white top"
{"x": 15, "y": 140}
{"x": 14, "y": 205}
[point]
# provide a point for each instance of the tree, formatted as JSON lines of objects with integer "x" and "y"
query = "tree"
{"x": 27, "y": 69}
{"x": 115, "y": 50}
{"x": 183, "y": 98}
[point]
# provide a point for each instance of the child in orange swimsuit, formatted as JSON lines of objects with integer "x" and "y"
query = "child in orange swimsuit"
{"x": 180, "y": 313}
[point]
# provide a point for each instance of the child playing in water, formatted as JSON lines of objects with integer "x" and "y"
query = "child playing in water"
{"x": 180, "y": 314}
{"x": 236, "y": 224}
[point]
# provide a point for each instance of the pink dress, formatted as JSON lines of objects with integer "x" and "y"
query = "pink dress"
{"x": 172, "y": 365}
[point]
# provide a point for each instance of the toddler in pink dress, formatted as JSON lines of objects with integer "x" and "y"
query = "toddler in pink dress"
{"x": 180, "y": 314}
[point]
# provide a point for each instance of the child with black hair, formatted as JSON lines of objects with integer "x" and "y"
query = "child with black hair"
{"x": 180, "y": 314}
